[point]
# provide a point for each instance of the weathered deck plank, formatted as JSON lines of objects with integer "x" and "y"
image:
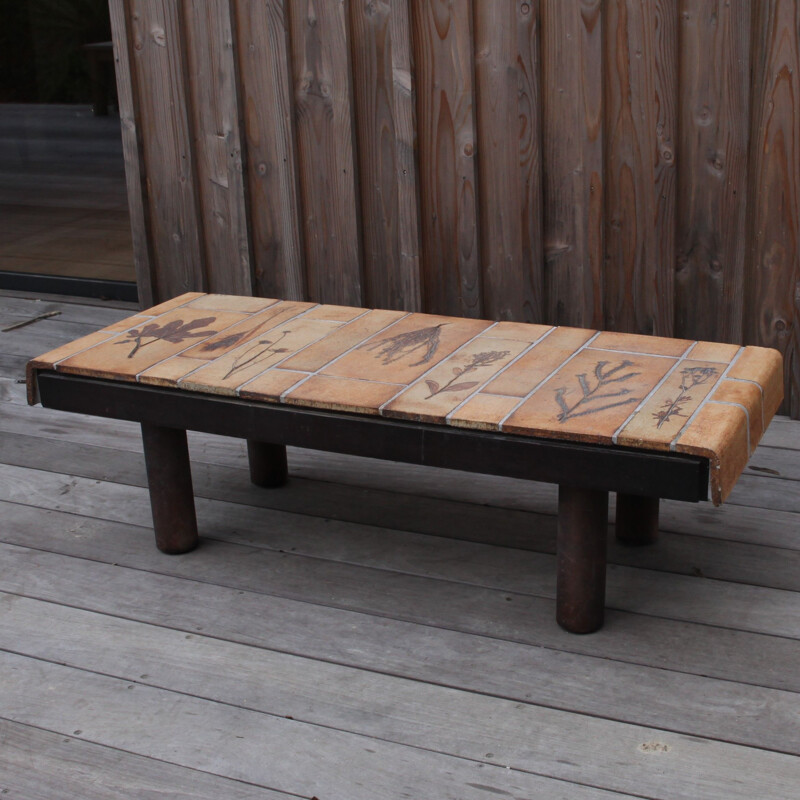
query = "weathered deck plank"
{"x": 451, "y": 721}
{"x": 405, "y": 659}
{"x": 36, "y": 764}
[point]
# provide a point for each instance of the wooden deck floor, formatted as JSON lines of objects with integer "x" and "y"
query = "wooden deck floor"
{"x": 374, "y": 630}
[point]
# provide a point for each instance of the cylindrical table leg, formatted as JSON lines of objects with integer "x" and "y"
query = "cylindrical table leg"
{"x": 169, "y": 478}
{"x": 581, "y": 589}
{"x": 268, "y": 466}
{"x": 637, "y": 519}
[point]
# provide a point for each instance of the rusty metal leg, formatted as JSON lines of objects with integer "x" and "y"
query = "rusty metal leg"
{"x": 637, "y": 519}
{"x": 169, "y": 478}
{"x": 581, "y": 589}
{"x": 267, "y": 463}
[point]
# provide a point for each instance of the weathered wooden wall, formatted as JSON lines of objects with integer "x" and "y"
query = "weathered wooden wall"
{"x": 631, "y": 164}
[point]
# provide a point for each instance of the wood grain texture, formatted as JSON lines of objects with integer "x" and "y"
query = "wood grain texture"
{"x": 156, "y": 34}
{"x": 132, "y": 144}
{"x": 712, "y": 197}
{"x": 499, "y": 187}
{"x": 772, "y": 296}
{"x": 446, "y": 137}
{"x": 572, "y": 59}
{"x": 265, "y": 74}
{"x": 529, "y": 109}
{"x": 639, "y": 167}
{"x": 382, "y": 90}
{"x": 40, "y": 765}
{"x": 216, "y": 131}
{"x": 320, "y": 42}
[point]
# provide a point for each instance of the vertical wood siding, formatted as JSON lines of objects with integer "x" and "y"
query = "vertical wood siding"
{"x": 609, "y": 163}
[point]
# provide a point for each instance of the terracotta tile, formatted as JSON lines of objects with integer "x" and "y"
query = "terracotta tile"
{"x": 227, "y": 373}
{"x": 50, "y": 359}
{"x": 175, "y": 302}
{"x": 169, "y": 372}
{"x": 525, "y": 332}
{"x": 541, "y": 361}
{"x": 335, "y": 313}
{"x": 661, "y": 418}
{"x": 69, "y": 349}
{"x": 455, "y": 378}
{"x": 342, "y": 394}
{"x": 125, "y": 356}
{"x": 764, "y": 366}
{"x": 636, "y": 343}
{"x": 342, "y": 339}
{"x": 272, "y": 384}
{"x": 748, "y": 395}
{"x": 483, "y": 412}
{"x": 230, "y": 302}
{"x": 408, "y": 349}
{"x": 589, "y": 398}
{"x": 719, "y": 433}
{"x": 127, "y": 323}
{"x": 714, "y": 351}
{"x": 249, "y": 328}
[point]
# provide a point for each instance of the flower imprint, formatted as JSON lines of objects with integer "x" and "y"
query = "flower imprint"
{"x": 257, "y": 352}
{"x": 478, "y": 360}
{"x": 690, "y": 377}
{"x": 175, "y": 332}
{"x": 589, "y": 394}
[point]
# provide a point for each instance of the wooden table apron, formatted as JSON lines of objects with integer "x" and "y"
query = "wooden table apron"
{"x": 585, "y": 473}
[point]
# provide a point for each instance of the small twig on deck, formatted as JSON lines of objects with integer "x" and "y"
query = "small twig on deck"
{"x": 30, "y": 321}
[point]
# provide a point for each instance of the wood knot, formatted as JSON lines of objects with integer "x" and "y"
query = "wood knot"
{"x": 159, "y": 36}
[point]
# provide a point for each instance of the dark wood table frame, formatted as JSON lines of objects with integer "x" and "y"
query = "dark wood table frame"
{"x": 585, "y": 473}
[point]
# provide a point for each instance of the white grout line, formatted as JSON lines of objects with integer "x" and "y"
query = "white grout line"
{"x": 746, "y": 414}
{"x": 542, "y": 382}
{"x": 639, "y": 407}
{"x": 114, "y": 334}
{"x": 760, "y": 389}
{"x": 497, "y": 374}
{"x": 300, "y": 349}
{"x": 109, "y": 335}
{"x": 441, "y": 361}
{"x": 633, "y": 352}
{"x": 218, "y": 333}
{"x": 674, "y": 443}
{"x": 327, "y": 364}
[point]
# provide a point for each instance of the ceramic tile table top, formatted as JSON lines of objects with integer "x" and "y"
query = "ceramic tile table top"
{"x": 644, "y": 392}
